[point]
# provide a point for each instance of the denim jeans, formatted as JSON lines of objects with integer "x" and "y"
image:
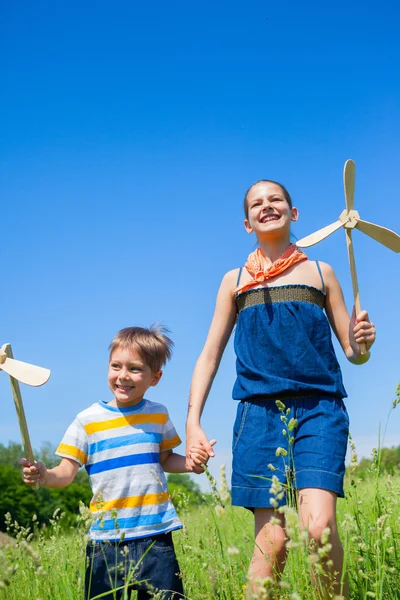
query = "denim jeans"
{"x": 145, "y": 564}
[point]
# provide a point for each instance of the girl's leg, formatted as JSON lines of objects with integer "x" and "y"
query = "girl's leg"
{"x": 317, "y": 510}
{"x": 269, "y": 549}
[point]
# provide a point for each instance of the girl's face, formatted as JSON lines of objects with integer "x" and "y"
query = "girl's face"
{"x": 269, "y": 213}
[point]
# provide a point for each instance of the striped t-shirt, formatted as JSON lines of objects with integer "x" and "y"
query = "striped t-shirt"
{"x": 120, "y": 448}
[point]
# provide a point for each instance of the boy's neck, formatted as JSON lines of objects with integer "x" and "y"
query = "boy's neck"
{"x": 116, "y": 404}
{"x": 274, "y": 249}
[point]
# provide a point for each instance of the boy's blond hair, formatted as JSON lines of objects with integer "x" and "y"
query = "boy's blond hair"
{"x": 152, "y": 343}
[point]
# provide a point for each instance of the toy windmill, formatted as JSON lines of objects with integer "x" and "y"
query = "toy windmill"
{"x": 350, "y": 219}
{"x": 26, "y": 373}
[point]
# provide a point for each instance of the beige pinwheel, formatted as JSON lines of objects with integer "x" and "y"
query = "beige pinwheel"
{"x": 350, "y": 219}
{"x": 26, "y": 373}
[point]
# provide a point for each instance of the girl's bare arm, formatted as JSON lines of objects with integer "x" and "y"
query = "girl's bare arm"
{"x": 208, "y": 362}
{"x": 350, "y": 332}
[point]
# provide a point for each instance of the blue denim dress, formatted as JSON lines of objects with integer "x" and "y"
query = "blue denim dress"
{"x": 284, "y": 351}
{"x": 283, "y": 344}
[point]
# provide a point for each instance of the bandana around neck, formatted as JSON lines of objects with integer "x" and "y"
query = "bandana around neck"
{"x": 255, "y": 266}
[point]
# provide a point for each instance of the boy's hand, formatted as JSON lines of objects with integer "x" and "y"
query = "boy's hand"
{"x": 361, "y": 331}
{"x": 194, "y": 436}
{"x": 199, "y": 457}
{"x": 33, "y": 472}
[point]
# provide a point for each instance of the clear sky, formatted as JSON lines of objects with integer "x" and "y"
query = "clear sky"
{"x": 129, "y": 135}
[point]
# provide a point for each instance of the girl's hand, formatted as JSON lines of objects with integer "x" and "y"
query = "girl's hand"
{"x": 361, "y": 331}
{"x": 33, "y": 472}
{"x": 199, "y": 457}
{"x": 195, "y": 437}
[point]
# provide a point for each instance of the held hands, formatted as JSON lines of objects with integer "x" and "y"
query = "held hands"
{"x": 33, "y": 472}
{"x": 196, "y": 438}
{"x": 198, "y": 456}
{"x": 361, "y": 331}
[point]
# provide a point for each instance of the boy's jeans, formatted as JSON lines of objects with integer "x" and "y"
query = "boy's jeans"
{"x": 146, "y": 564}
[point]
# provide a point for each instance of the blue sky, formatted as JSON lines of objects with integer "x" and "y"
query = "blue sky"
{"x": 129, "y": 136}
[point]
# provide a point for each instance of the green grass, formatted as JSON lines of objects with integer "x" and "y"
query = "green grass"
{"x": 215, "y": 547}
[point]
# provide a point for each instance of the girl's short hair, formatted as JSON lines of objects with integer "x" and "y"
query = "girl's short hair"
{"x": 152, "y": 343}
{"x": 284, "y": 191}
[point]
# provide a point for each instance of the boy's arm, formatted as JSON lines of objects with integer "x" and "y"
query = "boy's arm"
{"x": 58, "y": 477}
{"x": 172, "y": 463}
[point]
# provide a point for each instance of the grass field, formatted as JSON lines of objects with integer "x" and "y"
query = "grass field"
{"x": 215, "y": 547}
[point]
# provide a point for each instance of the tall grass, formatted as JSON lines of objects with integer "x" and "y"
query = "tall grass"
{"x": 215, "y": 547}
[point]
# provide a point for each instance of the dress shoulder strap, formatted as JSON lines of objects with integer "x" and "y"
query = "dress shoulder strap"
{"x": 320, "y": 274}
{"x": 239, "y": 276}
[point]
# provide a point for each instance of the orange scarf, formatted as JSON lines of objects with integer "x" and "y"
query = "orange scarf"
{"x": 255, "y": 266}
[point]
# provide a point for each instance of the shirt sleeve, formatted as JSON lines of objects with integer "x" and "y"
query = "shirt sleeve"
{"x": 74, "y": 443}
{"x": 170, "y": 439}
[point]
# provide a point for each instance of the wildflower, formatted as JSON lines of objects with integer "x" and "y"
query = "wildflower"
{"x": 271, "y": 467}
{"x": 219, "y": 510}
{"x": 313, "y": 559}
{"x": 284, "y": 585}
{"x": 362, "y": 574}
{"x": 325, "y": 535}
{"x": 233, "y": 550}
{"x": 223, "y": 488}
{"x": 266, "y": 583}
{"x": 281, "y": 452}
{"x": 280, "y": 406}
{"x": 381, "y": 521}
{"x": 292, "y": 424}
{"x": 213, "y": 483}
{"x": 277, "y": 489}
{"x": 396, "y": 401}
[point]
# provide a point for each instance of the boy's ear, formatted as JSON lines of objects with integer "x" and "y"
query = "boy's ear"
{"x": 156, "y": 378}
{"x": 295, "y": 214}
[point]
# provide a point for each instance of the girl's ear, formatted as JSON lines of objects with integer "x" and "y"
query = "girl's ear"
{"x": 247, "y": 226}
{"x": 295, "y": 214}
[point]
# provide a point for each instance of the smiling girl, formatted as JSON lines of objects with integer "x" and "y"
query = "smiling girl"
{"x": 282, "y": 305}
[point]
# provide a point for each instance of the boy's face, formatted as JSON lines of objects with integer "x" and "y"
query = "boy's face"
{"x": 129, "y": 377}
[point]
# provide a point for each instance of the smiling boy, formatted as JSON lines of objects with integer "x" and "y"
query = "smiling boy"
{"x": 126, "y": 445}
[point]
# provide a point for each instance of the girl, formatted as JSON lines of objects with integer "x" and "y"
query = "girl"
{"x": 284, "y": 352}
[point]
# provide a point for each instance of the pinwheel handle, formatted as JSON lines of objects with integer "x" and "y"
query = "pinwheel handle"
{"x": 5, "y": 352}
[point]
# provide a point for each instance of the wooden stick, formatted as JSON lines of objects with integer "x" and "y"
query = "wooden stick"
{"x": 23, "y": 427}
{"x": 354, "y": 280}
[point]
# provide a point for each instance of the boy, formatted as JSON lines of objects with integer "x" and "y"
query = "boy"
{"x": 126, "y": 445}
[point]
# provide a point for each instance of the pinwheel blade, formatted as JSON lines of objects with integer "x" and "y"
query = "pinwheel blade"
{"x": 349, "y": 180}
{"x": 384, "y": 236}
{"x": 319, "y": 235}
{"x": 26, "y": 373}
